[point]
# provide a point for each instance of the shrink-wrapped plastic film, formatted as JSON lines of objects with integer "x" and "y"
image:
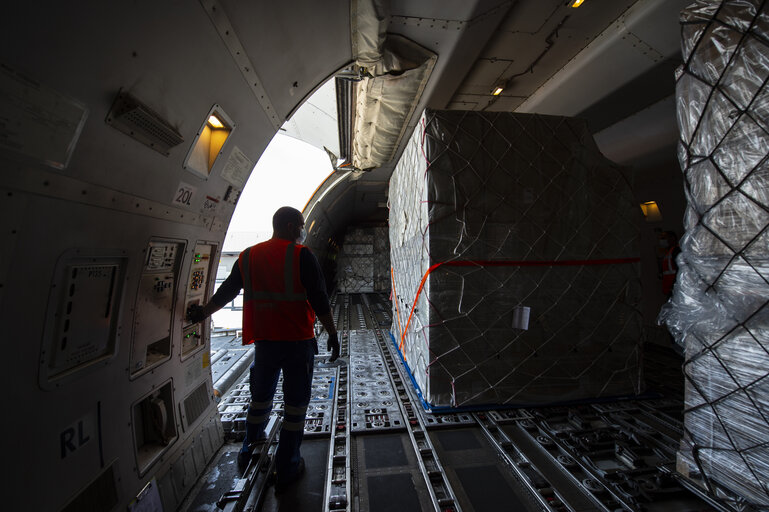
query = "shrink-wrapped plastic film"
{"x": 718, "y": 312}
{"x": 381, "y": 260}
{"x": 515, "y": 262}
{"x": 364, "y": 261}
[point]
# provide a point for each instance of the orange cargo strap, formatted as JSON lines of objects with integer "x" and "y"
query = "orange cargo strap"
{"x": 492, "y": 263}
{"x": 397, "y": 310}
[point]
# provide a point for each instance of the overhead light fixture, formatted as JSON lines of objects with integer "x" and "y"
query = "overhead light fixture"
{"x": 576, "y": 3}
{"x": 215, "y": 122}
{"x": 497, "y": 90}
{"x": 209, "y": 142}
{"x": 651, "y": 211}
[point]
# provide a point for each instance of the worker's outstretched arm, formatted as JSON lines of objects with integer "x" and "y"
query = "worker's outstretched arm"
{"x": 228, "y": 290}
{"x": 327, "y": 321}
{"x": 197, "y": 313}
{"x": 333, "y": 338}
{"x": 313, "y": 281}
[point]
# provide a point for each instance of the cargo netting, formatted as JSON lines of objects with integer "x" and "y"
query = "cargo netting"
{"x": 718, "y": 312}
{"x": 514, "y": 247}
{"x": 364, "y": 261}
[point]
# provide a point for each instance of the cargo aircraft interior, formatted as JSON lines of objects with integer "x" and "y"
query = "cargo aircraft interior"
{"x": 544, "y": 234}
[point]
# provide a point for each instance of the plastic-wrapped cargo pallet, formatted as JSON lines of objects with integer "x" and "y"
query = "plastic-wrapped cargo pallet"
{"x": 514, "y": 252}
{"x": 381, "y": 260}
{"x": 718, "y": 311}
{"x": 364, "y": 261}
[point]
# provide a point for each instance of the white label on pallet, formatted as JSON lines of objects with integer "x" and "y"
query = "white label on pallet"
{"x": 521, "y": 317}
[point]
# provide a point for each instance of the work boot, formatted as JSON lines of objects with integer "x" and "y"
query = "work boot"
{"x": 244, "y": 456}
{"x": 247, "y": 450}
{"x": 281, "y": 484}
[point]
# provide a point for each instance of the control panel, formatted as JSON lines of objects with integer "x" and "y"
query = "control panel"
{"x": 155, "y": 305}
{"x": 192, "y": 337}
{"x": 197, "y": 294}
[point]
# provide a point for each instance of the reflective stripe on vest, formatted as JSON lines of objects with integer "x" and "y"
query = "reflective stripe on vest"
{"x": 288, "y": 281}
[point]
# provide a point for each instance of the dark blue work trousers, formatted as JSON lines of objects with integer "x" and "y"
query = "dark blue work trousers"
{"x": 295, "y": 359}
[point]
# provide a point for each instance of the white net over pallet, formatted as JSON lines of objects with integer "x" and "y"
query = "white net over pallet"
{"x": 718, "y": 311}
{"x": 496, "y": 215}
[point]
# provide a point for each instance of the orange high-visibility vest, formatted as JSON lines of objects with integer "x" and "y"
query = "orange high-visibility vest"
{"x": 668, "y": 272}
{"x": 275, "y": 303}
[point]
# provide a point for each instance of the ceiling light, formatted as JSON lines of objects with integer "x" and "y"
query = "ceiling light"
{"x": 576, "y": 3}
{"x": 498, "y": 89}
{"x": 651, "y": 211}
{"x": 215, "y": 122}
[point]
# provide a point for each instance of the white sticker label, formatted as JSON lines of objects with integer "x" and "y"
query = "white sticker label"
{"x": 184, "y": 194}
{"x": 237, "y": 168}
{"x": 210, "y": 204}
{"x": 521, "y": 317}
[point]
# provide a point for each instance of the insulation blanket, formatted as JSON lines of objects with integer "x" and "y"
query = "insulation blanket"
{"x": 718, "y": 311}
{"x": 514, "y": 246}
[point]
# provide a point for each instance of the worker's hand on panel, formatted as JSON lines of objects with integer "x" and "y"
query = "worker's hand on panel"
{"x": 333, "y": 346}
{"x": 195, "y": 313}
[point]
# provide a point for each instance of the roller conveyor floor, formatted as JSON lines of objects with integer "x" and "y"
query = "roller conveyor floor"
{"x": 370, "y": 446}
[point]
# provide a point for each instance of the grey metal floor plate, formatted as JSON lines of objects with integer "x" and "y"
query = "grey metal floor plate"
{"x": 307, "y": 494}
{"x": 385, "y": 466}
{"x": 487, "y": 489}
{"x": 466, "y": 454}
{"x": 384, "y": 451}
{"x": 392, "y": 493}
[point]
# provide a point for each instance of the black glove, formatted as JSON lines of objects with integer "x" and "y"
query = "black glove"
{"x": 333, "y": 345}
{"x": 195, "y": 313}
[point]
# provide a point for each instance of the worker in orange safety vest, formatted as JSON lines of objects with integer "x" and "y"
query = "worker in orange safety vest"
{"x": 283, "y": 289}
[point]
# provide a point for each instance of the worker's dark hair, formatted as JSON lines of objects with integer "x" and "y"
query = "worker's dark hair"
{"x": 285, "y": 216}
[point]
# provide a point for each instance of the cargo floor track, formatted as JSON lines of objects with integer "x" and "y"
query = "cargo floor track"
{"x": 370, "y": 445}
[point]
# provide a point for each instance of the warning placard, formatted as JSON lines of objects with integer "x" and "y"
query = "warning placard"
{"x": 237, "y": 168}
